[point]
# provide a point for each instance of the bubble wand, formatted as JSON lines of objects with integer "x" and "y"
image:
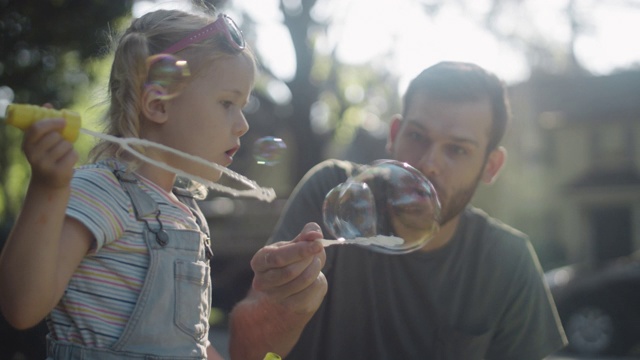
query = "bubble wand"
{"x": 22, "y": 116}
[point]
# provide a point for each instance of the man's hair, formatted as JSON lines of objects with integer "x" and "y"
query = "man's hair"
{"x": 462, "y": 82}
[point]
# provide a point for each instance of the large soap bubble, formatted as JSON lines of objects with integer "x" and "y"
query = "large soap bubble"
{"x": 389, "y": 207}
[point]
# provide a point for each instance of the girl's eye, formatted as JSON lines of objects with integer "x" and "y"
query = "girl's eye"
{"x": 227, "y": 104}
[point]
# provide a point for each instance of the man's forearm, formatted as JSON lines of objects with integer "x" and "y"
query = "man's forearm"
{"x": 257, "y": 328}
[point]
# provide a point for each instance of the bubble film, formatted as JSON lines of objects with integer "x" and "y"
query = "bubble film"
{"x": 388, "y": 207}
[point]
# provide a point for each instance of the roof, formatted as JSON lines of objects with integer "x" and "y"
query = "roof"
{"x": 588, "y": 98}
{"x": 606, "y": 178}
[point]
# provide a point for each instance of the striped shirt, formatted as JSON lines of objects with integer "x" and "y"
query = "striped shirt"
{"x": 104, "y": 289}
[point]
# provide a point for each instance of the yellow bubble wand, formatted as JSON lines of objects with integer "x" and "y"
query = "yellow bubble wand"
{"x": 22, "y": 116}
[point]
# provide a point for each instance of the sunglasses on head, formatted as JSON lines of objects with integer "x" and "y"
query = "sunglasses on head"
{"x": 223, "y": 24}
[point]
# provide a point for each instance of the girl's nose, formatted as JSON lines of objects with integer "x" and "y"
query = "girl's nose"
{"x": 241, "y": 126}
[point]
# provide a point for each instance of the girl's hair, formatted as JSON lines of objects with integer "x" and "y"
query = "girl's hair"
{"x": 146, "y": 36}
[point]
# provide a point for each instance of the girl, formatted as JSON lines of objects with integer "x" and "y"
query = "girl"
{"x": 115, "y": 257}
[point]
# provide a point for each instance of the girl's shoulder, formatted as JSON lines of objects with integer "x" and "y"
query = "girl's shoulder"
{"x": 99, "y": 176}
{"x": 100, "y": 203}
{"x": 109, "y": 164}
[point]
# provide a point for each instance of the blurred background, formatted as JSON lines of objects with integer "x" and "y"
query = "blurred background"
{"x": 332, "y": 74}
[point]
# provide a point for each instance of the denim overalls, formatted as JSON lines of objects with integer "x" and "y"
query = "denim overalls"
{"x": 170, "y": 318}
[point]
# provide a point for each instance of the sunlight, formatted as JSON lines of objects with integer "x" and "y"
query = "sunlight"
{"x": 451, "y": 36}
{"x": 400, "y": 36}
{"x": 612, "y": 46}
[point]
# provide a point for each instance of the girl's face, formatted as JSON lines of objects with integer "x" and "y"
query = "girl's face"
{"x": 206, "y": 119}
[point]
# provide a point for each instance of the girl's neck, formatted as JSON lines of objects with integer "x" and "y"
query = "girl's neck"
{"x": 158, "y": 176}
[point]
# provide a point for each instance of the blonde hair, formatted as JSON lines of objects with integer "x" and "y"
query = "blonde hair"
{"x": 146, "y": 36}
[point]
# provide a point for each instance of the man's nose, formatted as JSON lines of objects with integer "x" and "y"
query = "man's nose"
{"x": 430, "y": 163}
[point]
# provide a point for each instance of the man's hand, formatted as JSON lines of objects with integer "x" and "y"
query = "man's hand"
{"x": 289, "y": 274}
{"x": 288, "y": 288}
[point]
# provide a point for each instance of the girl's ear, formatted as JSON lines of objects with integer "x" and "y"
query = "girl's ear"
{"x": 153, "y": 106}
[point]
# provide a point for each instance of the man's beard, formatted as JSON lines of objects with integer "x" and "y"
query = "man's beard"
{"x": 458, "y": 201}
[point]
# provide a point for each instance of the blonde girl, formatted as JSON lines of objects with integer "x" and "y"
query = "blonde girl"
{"x": 113, "y": 255}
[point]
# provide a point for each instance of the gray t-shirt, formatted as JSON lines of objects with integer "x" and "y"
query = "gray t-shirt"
{"x": 481, "y": 296}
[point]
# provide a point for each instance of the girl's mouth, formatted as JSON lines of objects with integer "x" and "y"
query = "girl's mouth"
{"x": 233, "y": 151}
{"x": 229, "y": 153}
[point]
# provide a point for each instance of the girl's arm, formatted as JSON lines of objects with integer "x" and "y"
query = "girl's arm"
{"x": 44, "y": 247}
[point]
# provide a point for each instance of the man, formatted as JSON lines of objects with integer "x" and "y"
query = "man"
{"x": 475, "y": 291}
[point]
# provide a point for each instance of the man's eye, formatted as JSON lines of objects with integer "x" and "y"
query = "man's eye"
{"x": 415, "y": 136}
{"x": 457, "y": 150}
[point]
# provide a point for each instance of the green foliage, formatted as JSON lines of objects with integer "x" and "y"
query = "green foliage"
{"x": 47, "y": 54}
{"x": 14, "y": 173}
{"x": 360, "y": 92}
{"x": 44, "y": 43}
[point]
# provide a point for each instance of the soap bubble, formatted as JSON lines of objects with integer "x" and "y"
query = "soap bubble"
{"x": 168, "y": 75}
{"x": 389, "y": 206}
{"x": 269, "y": 150}
{"x": 349, "y": 210}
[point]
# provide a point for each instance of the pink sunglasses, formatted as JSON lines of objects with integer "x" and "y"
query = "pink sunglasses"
{"x": 223, "y": 24}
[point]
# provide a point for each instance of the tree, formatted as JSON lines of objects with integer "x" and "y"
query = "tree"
{"x": 321, "y": 80}
{"x": 322, "y": 92}
{"x": 45, "y": 47}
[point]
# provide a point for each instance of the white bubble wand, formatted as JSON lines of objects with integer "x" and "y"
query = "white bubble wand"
{"x": 22, "y": 116}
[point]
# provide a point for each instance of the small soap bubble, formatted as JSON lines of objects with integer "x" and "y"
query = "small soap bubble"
{"x": 168, "y": 73}
{"x": 269, "y": 150}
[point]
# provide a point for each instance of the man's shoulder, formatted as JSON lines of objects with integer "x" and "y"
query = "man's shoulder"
{"x": 494, "y": 237}
{"x": 492, "y": 226}
{"x": 504, "y": 252}
{"x": 329, "y": 173}
{"x": 334, "y": 166}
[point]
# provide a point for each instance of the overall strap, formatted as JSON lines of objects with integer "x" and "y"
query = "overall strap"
{"x": 186, "y": 197}
{"x": 143, "y": 204}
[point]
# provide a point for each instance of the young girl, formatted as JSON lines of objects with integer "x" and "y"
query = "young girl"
{"x": 115, "y": 257}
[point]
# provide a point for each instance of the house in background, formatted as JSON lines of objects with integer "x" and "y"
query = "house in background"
{"x": 572, "y": 178}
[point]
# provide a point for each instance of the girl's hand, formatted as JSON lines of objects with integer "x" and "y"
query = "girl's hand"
{"x": 52, "y": 158}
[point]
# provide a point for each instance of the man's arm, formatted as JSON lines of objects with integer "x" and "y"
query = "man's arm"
{"x": 530, "y": 327}
{"x": 288, "y": 287}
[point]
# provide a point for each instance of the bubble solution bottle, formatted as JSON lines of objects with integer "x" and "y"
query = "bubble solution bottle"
{"x": 23, "y": 116}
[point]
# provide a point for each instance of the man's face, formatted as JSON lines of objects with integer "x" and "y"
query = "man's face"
{"x": 447, "y": 142}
